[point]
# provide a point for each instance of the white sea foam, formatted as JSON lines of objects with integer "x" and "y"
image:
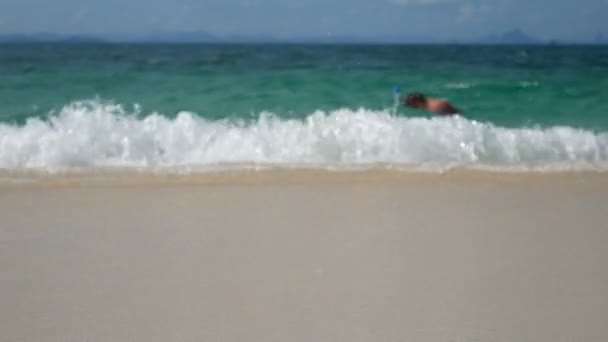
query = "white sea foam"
{"x": 529, "y": 84}
{"x": 460, "y": 85}
{"x": 92, "y": 134}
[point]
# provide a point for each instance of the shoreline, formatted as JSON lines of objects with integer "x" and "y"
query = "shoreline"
{"x": 279, "y": 175}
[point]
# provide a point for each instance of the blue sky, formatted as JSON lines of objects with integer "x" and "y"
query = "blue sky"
{"x": 432, "y": 19}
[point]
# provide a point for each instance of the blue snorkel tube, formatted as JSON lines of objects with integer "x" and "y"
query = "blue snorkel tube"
{"x": 396, "y": 99}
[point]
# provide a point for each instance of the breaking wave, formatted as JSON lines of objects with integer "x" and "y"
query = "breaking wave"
{"x": 95, "y": 134}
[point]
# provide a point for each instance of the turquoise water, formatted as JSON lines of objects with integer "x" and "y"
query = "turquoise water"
{"x": 522, "y": 104}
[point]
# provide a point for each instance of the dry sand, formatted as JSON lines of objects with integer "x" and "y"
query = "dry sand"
{"x": 306, "y": 257}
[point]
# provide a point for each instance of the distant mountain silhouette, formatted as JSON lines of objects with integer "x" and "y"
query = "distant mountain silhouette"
{"x": 600, "y": 39}
{"x": 515, "y": 36}
{"x": 48, "y": 38}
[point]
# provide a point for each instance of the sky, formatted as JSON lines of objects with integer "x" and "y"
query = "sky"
{"x": 419, "y": 19}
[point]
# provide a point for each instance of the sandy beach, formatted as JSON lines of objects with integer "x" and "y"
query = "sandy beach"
{"x": 306, "y": 256}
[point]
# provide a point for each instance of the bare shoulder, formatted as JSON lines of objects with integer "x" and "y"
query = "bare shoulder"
{"x": 442, "y": 106}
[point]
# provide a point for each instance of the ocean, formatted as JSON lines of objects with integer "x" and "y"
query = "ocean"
{"x": 179, "y": 108}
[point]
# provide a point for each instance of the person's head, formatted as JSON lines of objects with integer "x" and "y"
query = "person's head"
{"x": 415, "y": 100}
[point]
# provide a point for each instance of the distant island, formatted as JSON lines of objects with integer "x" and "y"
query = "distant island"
{"x": 600, "y": 39}
{"x": 512, "y": 37}
{"x": 49, "y": 38}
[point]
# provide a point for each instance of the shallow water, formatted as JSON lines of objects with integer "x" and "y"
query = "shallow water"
{"x": 92, "y": 106}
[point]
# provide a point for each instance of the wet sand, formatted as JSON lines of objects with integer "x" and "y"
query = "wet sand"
{"x": 306, "y": 256}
